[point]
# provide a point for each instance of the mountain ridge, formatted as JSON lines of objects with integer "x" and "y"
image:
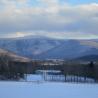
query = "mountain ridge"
{"x": 39, "y": 47}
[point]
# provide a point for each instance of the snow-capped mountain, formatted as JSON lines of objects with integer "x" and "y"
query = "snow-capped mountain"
{"x": 71, "y": 49}
{"x": 39, "y": 47}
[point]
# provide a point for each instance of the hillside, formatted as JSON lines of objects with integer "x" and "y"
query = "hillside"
{"x": 40, "y": 47}
{"x": 12, "y": 56}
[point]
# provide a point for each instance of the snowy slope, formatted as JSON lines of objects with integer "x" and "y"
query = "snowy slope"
{"x": 47, "y": 90}
{"x": 71, "y": 49}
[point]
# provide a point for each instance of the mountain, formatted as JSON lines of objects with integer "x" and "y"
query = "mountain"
{"x": 40, "y": 47}
{"x": 71, "y": 49}
{"x": 30, "y": 46}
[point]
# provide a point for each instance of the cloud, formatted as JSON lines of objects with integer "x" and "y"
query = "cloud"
{"x": 48, "y": 16}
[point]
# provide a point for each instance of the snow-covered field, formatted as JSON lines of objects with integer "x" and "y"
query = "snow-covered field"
{"x": 47, "y": 90}
{"x": 31, "y": 77}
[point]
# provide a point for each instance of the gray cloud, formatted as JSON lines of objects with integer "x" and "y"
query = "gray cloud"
{"x": 51, "y": 18}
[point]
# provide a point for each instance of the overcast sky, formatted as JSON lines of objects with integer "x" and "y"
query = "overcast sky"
{"x": 54, "y": 18}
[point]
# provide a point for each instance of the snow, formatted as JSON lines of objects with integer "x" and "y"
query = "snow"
{"x": 31, "y": 77}
{"x": 47, "y": 90}
{"x": 41, "y": 76}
